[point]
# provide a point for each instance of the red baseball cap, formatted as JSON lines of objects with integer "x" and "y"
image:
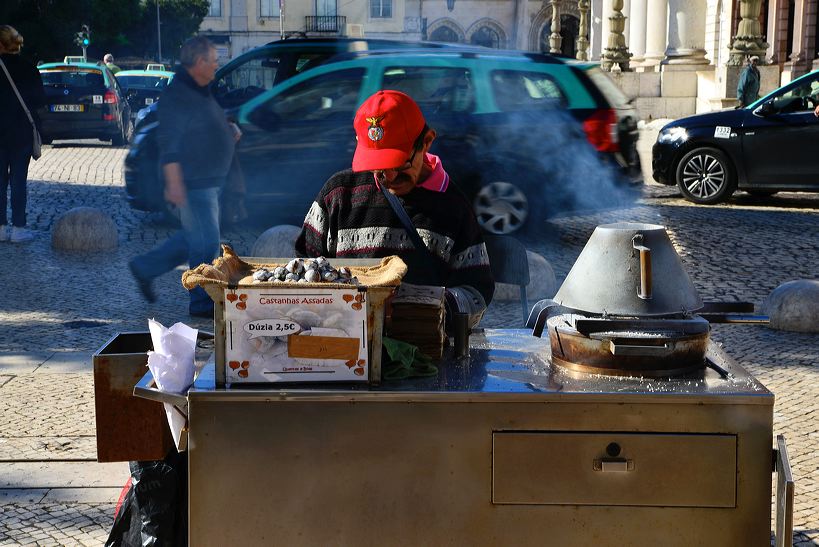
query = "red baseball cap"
{"x": 386, "y": 127}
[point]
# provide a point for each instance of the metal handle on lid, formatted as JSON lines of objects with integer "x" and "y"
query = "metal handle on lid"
{"x": 645, "y": 266}
{"x": 637, "y": 350}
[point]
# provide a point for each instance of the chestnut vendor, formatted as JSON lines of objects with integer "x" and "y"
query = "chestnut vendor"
{"x": 353, "y": 216}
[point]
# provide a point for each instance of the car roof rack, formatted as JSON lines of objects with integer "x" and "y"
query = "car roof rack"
{"x": 462, "y": 51}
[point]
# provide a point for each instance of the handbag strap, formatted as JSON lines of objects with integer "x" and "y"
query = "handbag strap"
{"x": 412, "y": 232}
{"x": 16, "y": 92}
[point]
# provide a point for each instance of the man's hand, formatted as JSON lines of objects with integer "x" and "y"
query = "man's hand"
{"x": 237, "y": 133}
{"x": 816, "y": 111}
{"x": 174, "y": 184}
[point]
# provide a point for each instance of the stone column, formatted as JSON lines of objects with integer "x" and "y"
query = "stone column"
{"x": 582, "y": 45}
{"x": 627, "y": 12}
{"x": 616, "y": 56}
{"x": 810, "y": 34}
{"x": 777, "y": 31}
{"x": 523, "y": 24}
{"x": 656, "y": 31}
{"x": 749, "y": 39}
{"x": 803, "y": 30}
{"x": 605, "y": 25}
{"x": 597, "y": 41}
{"x": 555, "y": 40}
{"x": 637, "y": 30}
{"x": 686, "y": 33}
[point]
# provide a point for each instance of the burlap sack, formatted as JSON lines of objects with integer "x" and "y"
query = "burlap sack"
{"x": 229, "y": 269}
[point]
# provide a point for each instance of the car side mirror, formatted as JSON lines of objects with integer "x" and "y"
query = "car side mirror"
{"x": 765, "y": 109}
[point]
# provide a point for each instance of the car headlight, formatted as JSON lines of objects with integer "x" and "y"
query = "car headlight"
{"x": 672, "y": 135}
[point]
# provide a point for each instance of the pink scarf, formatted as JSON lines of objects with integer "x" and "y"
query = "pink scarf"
{"x": 438, "y": 180}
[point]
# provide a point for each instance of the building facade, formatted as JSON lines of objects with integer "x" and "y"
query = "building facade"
{"x": 674, "y": 56}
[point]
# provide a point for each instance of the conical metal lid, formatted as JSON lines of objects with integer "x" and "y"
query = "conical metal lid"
{"x": 629, "y": 269}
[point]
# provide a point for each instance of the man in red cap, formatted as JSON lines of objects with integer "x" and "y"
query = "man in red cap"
{"x": 353, "y": 216}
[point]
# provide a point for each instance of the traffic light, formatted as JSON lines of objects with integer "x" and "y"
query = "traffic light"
{"x": 83, "y": 38}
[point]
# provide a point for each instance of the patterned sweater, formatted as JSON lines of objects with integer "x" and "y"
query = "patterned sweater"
{"x": 351, "y": 218}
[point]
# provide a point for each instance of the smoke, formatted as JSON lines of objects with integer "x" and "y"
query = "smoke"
{"x": 547, "y": 155}
{"x": 543, "y": 151}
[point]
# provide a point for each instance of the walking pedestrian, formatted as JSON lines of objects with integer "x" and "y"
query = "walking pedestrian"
{"x": 748, "y": 85}
{"x": 196, "y": 145}
{"x": 109, "y": 62}
{"x": 21, "y": 93}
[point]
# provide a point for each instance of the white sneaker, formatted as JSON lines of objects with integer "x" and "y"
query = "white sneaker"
{"x": 20, "y": 235}
{"x": 4, "y": 233}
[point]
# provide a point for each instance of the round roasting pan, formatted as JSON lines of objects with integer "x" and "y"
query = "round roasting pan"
{"x": 651, "y": 353}
{"x": 629, "y": 269}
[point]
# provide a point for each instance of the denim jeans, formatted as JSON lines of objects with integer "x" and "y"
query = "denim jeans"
{"x": 14, "y": 170}
{"x": 197, "y": 243}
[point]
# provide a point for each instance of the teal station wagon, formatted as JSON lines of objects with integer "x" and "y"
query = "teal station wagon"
{"x": 514, "y": 130}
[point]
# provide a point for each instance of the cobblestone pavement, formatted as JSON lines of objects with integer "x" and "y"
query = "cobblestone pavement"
{"x": 57, "y": 305}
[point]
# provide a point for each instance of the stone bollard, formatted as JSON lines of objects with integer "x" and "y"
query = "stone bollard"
{"x": 277, "y": 242}
{"x": 542, "y": 282}
{"x": 84, "y": 229}
{"x": 794, "y": 306}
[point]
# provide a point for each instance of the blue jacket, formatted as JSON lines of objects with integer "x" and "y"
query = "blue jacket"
{"x": 748, "y": 85}
{"x": 194, "y": 132}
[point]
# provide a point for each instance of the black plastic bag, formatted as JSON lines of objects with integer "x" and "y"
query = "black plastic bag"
{"x": 154, "y": 511}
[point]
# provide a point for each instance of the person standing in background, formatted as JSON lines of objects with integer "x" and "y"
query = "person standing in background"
{"x": 16, "y": 134}
{"x": 748, "y": 85}
{"x": 196, "y": 145}
{"x": 109, "y": 62}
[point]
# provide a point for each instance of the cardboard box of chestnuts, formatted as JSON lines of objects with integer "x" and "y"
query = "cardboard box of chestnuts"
{"x": 297, "y": 320}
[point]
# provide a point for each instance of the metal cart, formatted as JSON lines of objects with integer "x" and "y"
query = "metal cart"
{"x": 501, "y": 448}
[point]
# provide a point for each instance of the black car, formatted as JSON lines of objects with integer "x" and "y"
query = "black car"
{"x": 766, "y": 147}
{"x": 239, "y": 81}
{"x": 143, "y": 87}
{"x": 259, "y": 69}
{"x": 83, "y": 100}
{"x": 514, "y": 130}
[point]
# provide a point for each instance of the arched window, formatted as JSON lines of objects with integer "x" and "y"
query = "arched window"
{"x": 569, "y": 30}
{"x": 487, "y": 37}
{"x": 444, "y": 34}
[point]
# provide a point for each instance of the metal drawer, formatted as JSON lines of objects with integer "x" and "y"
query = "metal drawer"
{"x": 645, "y": 469}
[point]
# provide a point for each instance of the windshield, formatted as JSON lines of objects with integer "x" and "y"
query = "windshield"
{"x": 143, "y": 82}
{"x": 72, "y": 77}
{"x": 806, "y": 86}
{"x": 612, "y": 93}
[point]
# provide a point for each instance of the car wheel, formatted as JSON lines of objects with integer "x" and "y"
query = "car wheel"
{"x": 705, "y": 175}
{"x": 501, "y": 208}
{"x": 761, "y": 193}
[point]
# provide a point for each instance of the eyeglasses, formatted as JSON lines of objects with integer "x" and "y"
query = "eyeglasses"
{"x": 409, "y": 162}
{"x": 417, "y": 145}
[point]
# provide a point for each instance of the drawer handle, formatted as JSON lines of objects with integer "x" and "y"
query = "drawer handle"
{"x": 613, "y": 465}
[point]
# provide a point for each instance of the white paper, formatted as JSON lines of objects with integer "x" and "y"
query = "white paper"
{"x": 172, "y": 361}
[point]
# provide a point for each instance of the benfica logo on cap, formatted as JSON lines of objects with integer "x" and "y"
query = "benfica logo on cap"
{"x": 375, "y": 132}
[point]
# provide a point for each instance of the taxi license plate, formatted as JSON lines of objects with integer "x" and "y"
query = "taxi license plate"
{"x": 67, "y": 107}
{"x": 149, "y": 101}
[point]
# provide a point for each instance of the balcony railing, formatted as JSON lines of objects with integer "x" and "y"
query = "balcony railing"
{"x": 325, "y": 23}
